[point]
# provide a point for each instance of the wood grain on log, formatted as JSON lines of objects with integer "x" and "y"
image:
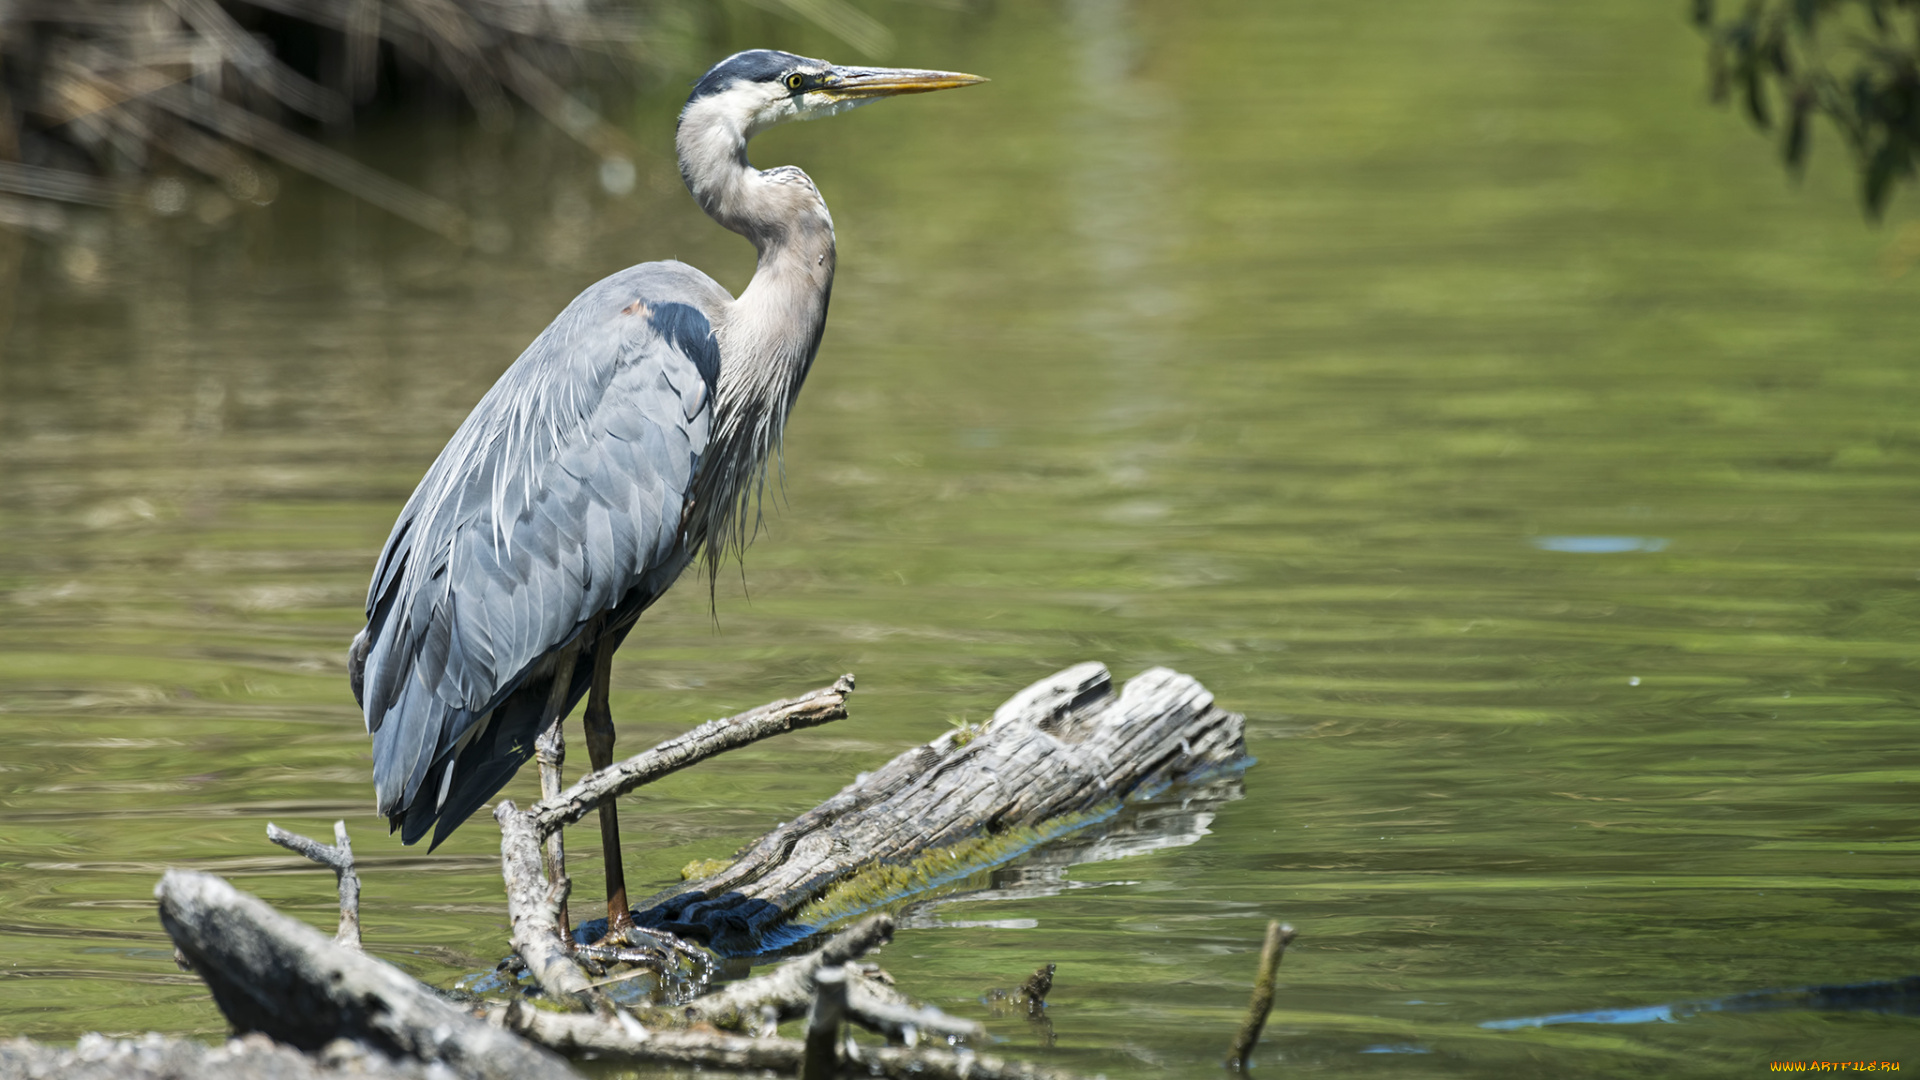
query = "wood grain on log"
{"x": 279, "y": 976}
{"x": 1065, "y": 746}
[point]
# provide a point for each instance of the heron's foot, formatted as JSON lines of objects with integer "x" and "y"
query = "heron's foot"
{"x": 626, "y": 935}
{"x": 614, "y": 934}
{"x": 680, "y": 969}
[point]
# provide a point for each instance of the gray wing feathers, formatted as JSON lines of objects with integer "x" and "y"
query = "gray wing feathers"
{"x": 562, "y": 491}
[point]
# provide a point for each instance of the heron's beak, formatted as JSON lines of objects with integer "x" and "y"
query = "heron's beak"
{"x": 866, "y": 84}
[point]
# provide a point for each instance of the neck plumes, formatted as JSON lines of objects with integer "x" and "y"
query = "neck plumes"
{"x": 768, "y": 335}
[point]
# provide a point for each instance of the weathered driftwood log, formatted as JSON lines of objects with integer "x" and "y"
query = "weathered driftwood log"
{"x": 338, "y": 857}
{"x": 274, "y": 975}
{"x": 279, "y": 976}
{"x": 1057, "y": 753}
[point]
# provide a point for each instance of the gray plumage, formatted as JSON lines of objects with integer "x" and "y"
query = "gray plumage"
{"x": 563, "y": 496}
{"x": 627, "y": 440}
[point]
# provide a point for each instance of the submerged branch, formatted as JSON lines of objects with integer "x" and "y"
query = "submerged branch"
{"x": 1278, "y": 938}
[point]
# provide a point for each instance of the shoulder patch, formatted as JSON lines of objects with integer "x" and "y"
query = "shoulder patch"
{"x": 692, "y": 334}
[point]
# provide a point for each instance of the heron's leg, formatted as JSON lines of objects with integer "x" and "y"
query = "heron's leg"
{"x": 599, "y": 723}
{"x": 550, "y": 750}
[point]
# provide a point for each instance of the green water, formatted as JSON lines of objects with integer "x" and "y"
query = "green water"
{"x": 1275, "y": 343}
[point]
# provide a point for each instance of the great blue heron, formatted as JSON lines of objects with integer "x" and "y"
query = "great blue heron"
{"x": 629, "y": 439}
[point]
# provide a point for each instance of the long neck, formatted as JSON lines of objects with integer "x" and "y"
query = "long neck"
{"x": 769, "y": 335}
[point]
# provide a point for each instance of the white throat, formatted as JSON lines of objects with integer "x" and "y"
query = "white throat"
{"x": 769, "y": 335}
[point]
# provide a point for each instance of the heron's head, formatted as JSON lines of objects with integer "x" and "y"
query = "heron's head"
{"x": 754, "y": 90}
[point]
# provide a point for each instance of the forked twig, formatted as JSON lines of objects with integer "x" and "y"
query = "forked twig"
{"x": 338, "y": 857}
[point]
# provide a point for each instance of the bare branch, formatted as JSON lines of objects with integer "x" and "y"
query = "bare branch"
{"x": 713, "y": 737}
{"x": 871, "y": 1003}
{"x": 59, "y": 184}
{"x": 822, "y": 1057}
{"x": 339, "y": 858}
{"x": 877, "y": 1006}
{"x": 1278, "y": 937}
{"x": 455, "y": 40}
{"x": 789, "y": 987}
{"x": 533, "y": 907}
{"x": 563, "y": 110}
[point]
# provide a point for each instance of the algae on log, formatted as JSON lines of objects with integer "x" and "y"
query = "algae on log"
{"x": 1057, "y": 755}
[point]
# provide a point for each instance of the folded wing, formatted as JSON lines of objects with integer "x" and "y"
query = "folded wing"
{"x": 559, "y": 500}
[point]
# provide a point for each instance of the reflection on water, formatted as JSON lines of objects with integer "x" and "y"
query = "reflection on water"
{"x": 1169, "y": 819}
{"x": 1333, "y": 354}
{"x": 1599, "y": 545}
{"x": 1895, "y": 996}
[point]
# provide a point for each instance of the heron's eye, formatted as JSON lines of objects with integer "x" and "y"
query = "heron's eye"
{"x": 796, "y": 80}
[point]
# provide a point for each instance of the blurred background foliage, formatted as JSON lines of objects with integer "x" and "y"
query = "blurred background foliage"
{"x": 108, "y": 101}
{"x": 1854, "y": 62}
{"x": 111, "y": 101}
